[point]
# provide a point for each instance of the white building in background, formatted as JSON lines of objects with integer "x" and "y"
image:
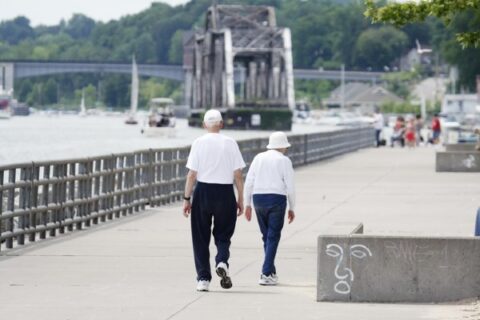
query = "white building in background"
{"x": 431, "y": 89}
{"x": 460, "y": 104}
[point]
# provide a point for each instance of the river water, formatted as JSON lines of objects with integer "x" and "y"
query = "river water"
{"x": 42, "y": 137}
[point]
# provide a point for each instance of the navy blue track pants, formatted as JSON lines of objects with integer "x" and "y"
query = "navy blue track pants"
{"x": 212, "y": 202}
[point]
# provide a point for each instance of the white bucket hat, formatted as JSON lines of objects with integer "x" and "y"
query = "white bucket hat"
{"x": 278, "y": 140}
{"x": 212, "y": 116}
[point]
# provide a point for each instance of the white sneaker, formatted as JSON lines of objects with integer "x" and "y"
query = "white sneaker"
{"x": 268, "y": 280}
{"x": 222, "y": 272}
{"x": 202, "y": 285}
{"x": 274, "y": 277}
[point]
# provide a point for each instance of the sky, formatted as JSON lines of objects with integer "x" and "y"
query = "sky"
{"x": 50, "y": 12}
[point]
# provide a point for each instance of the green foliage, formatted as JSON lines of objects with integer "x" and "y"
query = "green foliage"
{"x": 401, "y": 83}
{"x": 454, "y": 26}
{"x": 175, "y": 53}
{"x": 154, "y": 88}
{"x": 399, "y": 108}
{"x": 112, "y": 91}
{"x": 313, "y": 91}
{"x": 377, "y": 48}
{"x": 324, "y": 33}
{"x": 400, "y": 14}
{"x": 16, "y": 30}
{"x": 409, "y": 108}
{"x": 80, "y": 26}
{"x": 90, "y": 93}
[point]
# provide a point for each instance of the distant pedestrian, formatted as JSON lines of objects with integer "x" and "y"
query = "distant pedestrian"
{"x": 436, "y": 129}
{"x": 418, "y": 129}
{"x": 398, "y": 132}
{"x": 378, "y": 124}
{"x": 270, "y": 184}
{"x": 410, "y": 138}
{"x": 215, "y": 163}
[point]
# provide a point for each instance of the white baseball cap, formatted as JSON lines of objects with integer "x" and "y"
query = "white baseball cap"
{"x": 278, "y": 140}
{"x": 212, "y": 116}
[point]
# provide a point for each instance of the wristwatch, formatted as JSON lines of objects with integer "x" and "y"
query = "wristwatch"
{"x": 186, "y": 198}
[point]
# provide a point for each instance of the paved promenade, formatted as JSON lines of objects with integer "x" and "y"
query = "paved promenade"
{"x": 141, "y": 267}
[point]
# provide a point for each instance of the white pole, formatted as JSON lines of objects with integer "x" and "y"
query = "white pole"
{"x": 342, "y": 75}
{"x": 423, "y": 107}
{"x": 288, "y": 59}
{"x": 229, "y": 68}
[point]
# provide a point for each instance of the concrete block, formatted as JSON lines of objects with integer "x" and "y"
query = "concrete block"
{"x": 359, "y": 268}
{"x": 458, "y": 161}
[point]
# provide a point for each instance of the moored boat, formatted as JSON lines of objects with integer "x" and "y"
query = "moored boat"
{"x": 161, "y": 119}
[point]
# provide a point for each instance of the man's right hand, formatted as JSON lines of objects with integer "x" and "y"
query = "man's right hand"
{"x": 248, "y": 213}
{"x": 187, "y": 208}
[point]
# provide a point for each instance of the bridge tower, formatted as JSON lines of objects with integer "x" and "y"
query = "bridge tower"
{"x": 241, "y": 59}
{"x": 7, "y": 74}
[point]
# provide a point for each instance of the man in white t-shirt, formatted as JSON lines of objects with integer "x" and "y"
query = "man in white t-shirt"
{"x": 215, "y": 164}
{"x": 270, "y": 184}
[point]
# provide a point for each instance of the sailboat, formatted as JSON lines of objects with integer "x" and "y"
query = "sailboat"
{"x": 134, "y": 95}
{"x": 83, "y": 109}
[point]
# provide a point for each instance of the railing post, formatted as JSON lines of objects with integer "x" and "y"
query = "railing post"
{"x": 1, "y": 205}
{"x": 70, "y": 212}
{"x": 24, "y": 190}
{"x": 11, "y": 206}
{"x": 55, "y": 200}
{"x": 96, "y": 167}
{"x": 45, "y": 200}
{"x": 151, "y": 176}
{"x": 305, "y": 149}
{"x": 130, "y": 181}
{"x": 110, "y": 185}
{"x": 82, "y": 212}
{"x": 62, "y": 193}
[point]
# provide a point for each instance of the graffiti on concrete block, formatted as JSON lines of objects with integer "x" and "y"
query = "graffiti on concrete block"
{"x": 469, "y": 162}
{"x": 414, "y": 253}
{"x": 345, "y": 275}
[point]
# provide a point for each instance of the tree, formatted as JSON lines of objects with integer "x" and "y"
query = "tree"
{"x": 80, "y": 26}
{"x": 90, "y": 93}
{"x": 175, "y": 54}
{"x": 401, "y": 83}
{"x": 50, "y": 92}
{"x": 400, "y": 14}
{"x": 16, "y": 30}
{"x": 379, "y": 48}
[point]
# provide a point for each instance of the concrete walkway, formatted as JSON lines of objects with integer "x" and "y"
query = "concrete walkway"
{"x": 141, "y": 267}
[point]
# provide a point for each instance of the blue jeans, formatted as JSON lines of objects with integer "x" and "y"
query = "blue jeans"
{"x": 270, "y": 216}
{"x": 377, "y": 136}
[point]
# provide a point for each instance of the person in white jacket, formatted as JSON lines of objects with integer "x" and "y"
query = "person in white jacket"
{"x": 270, "y": 185}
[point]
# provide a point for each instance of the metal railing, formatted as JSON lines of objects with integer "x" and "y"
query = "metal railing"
{"x": 42, "y": 199}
